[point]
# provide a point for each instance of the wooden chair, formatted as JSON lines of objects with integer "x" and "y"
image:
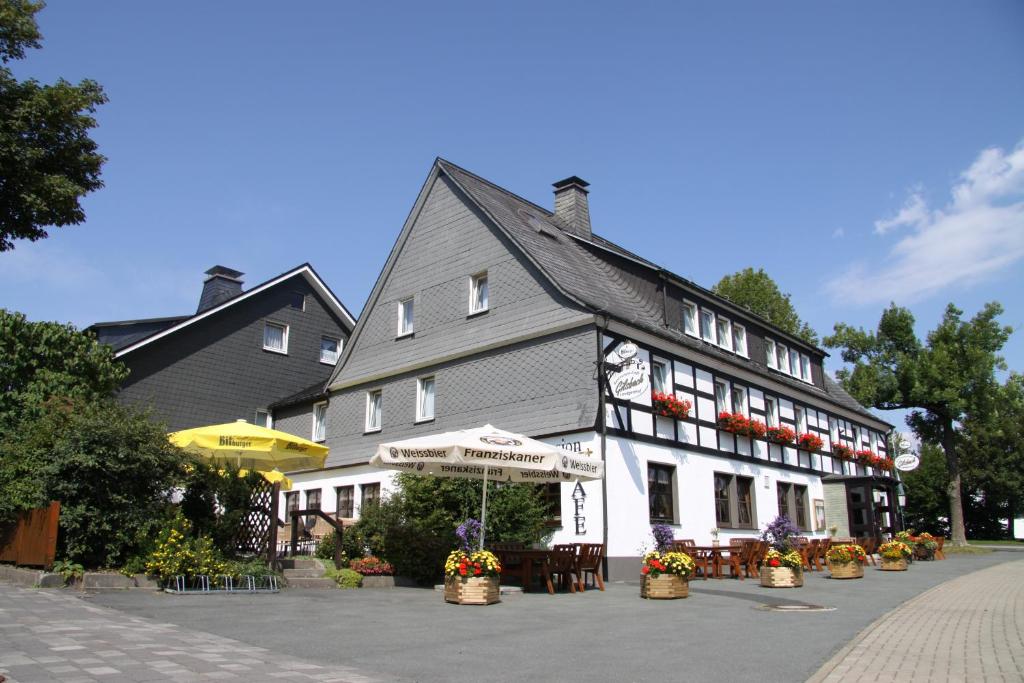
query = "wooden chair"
{"x": 701, "y": 560}
{"x": 760, "y": 549}
{"x": 589, "y": 562}
{"x": 807, "y": 553}
{"x": 562, "y": 563}
{"x": 939, "y": 555}
{"x": 740, "y": 553}
{"x": 819, "y": 556}
{"x": 870, "y": 545}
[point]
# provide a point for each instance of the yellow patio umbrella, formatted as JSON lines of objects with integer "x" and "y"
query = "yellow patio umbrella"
{"x": 273, "y": 476}
{"x": 251, "y": 447}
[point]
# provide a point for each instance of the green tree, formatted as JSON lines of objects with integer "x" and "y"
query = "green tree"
{"x": 757, "y": 291}
{"x": 939, "y": 380}
{"x": 927, "y": 507}
{"x": 111, "y": 468}
{"x": 42, "y": 360}
{"x": 48, "y": 162}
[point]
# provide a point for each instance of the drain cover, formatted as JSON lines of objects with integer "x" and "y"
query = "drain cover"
{"x": 798, "y": 608}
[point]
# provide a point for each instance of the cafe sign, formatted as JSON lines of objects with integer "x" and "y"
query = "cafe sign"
{"x": 907, "y": 462}
{"x": 632, "y": 380}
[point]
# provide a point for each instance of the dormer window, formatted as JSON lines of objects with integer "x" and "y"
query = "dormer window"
{"x": 405, "y": 317}
{"x": 690, "y": 318}
{"x": 782, "y": 358}
{"x": 739, "y": 339}
{"x": 805, "y": 367}
{"x": 707, "y": 326}
{"x": 330, "y": 350}
{"x": 769, "y": 354}
{"x": 725, "y": 333}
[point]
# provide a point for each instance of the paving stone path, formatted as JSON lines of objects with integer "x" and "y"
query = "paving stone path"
{"x": 50, "y": 635}
{"x": 968, "y": 629}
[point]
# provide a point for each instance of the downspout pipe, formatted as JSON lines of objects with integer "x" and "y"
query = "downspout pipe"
{"x": 602, "y": 422}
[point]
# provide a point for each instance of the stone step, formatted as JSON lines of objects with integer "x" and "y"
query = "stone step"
{"x": 303, "y": 573}
{"x": 305, "y": 582}
{"x": 301, "y": 563}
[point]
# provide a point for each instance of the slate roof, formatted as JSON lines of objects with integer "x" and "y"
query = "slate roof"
{"x": 309, "y": 394}
{"x": 122, "y": 333}
{"x": 601, "y": 276}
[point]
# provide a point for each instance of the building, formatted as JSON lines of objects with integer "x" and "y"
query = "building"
{"x": 491, "y": 309}
{"x": 241, "y": 350}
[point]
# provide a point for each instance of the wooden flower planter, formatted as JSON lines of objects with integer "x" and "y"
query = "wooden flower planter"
{"x": 781, "y": 577}
{"x": 664, "y": 587}
{"x": 475, "y": 590}
{"x": 846, "y": 570}
{"x": 899, "y": 565}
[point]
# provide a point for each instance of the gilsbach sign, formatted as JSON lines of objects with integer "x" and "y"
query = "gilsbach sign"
{"x": 632, "y": 380}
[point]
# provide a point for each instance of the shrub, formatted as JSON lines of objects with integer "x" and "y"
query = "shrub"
{"x": 178, "y": 554}
{"x": 325, "y": 548}
{"x": 372, "y": 566}
{"x": 347, "y": 578}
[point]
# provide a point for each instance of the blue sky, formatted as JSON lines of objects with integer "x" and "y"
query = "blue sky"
{"x": 859, "y": 152}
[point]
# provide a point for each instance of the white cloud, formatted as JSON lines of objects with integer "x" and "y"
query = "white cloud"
{"x": 838, "y": 234}
{"x": 977, "y": 234}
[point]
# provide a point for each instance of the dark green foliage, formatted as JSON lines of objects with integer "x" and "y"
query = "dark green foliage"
{"x": 757, "y": 291}
{"x": 325, "y": 548}
{"x": 44, "y": 360}
{"x": 111, "y": 468}
{"x": 414, "y": 528}
{"x": 48, "y": 162}
{"x": 346, "y": 578}
{"x": 943, "y": 381}
{"x": 216, "y": 501}
{"x": 927, "y": 506}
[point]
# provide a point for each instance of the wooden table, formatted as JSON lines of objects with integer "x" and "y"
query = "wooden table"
{"x": 527, "y": 560}
{"x": 716, "y": 557}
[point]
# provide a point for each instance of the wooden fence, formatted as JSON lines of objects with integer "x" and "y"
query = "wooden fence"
{"x": 32, "y": 540}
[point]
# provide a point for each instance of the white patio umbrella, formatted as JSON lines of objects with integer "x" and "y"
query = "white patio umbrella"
{"x": 487, "y": 453}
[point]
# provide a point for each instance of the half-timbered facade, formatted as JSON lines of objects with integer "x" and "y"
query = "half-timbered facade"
{"x": 491, "y": 309}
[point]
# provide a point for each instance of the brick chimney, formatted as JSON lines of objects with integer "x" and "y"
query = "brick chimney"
{"x": 571, "y": 209}
{"x": 222, "y": 284}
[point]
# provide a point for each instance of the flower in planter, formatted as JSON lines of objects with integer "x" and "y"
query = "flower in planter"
{"x": 677, "y": 563}
{"x": 790, "y": 558}
{"x": 663, "y": 537}
{"x": 884, "y": 464}
{"x": 895, "y": 550}
{"x": 779, "y": 534}
{"x": 464, "y": 564}
{"x": 865, "y": 457}
{"x": 734, "y": 423}
{"x": 781, "y": 435}
{"x": 756, "y": 429}
{"x": 842, "y": 452}
{"x": 810, "y": 442}
{"x": 846, "y": 554}
{"x": 372, "y": 566}
{"x": 667, "y": 405}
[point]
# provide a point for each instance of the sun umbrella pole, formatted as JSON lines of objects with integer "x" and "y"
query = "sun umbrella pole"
{"x": 483, "y": 511}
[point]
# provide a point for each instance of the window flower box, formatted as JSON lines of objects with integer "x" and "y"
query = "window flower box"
{"x": 740, "y": 425}
{"x": 784, "y": 436}
{"x": 842, "y": 452}
{"x": 810, "y": 442}
{"x": 667, "y": 405}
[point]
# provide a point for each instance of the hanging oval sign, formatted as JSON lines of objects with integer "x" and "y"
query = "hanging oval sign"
{"x": 631, "y": 382}
{"x": 908, "y": 462}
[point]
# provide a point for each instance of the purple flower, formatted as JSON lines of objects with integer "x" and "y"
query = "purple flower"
{"x": 779, "y": 533}
{"x": 468, "y": 534}
{"x": 663, "y": 537}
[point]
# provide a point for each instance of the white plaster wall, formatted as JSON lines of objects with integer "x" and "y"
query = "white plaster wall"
{"x": 329, "y": 479}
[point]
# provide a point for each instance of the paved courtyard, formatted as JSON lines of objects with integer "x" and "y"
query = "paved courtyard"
{"x": 725, "y": 631}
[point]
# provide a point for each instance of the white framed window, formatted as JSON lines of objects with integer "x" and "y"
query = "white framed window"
{"x": 771, "y": 412}
{"x": 801, "y": 420}
{"x": 424, "y": 399}
{"x": 478, "y": 293}
{"x": 725, "y": 333}
{"x": 739, "y": 339}
{"x": 262, "y": 419}
{"x": 805, "y": 367}
{"x": 275, "y": 337}
{"x": 794, "y": 362}
{"x": 405, "y": 317}
{"x": 782, "y": 357}
{"x": 659, "y": 377}
{"x": 373, "y": 405}
{"x": 722, "y": 396}
{"x": 690, "y": 318}
{"x": 707, "y": 326}
{"x": 769, "y": 353}
{"x": 320, "y": 421}
{"x": 833, "y": 430}
{"x": 330, "y": 350}
{"x": 739, "y": 400}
